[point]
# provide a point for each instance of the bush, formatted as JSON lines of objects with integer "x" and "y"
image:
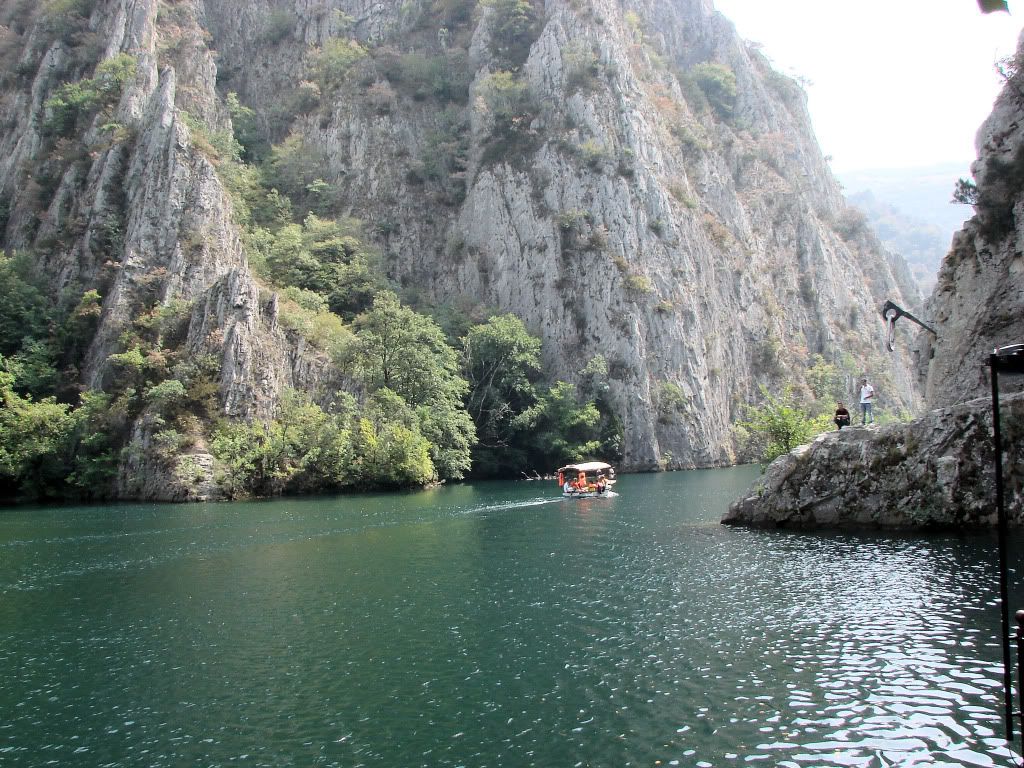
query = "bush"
{"x": 73, "y": 101}
{"x": 278, "y": 25}
{"x": 508, "y": 102}
{"x": 779, "y": 425}
{"x": 718, "y": 84}
{"x": 333, "y": 62}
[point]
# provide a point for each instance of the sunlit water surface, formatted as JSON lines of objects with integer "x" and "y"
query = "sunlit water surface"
{"x": 493, "y": 624}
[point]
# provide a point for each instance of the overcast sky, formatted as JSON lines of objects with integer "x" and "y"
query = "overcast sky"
{"x": 893, "y": 83}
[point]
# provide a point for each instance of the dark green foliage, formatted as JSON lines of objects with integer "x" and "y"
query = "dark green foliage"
{"x": 334, "y": 61}
{"x": 562, "y": 428}
{"x": 445, "y": 154}
{"x": 25, "y": 313}
{"x": 454, "y": 13}
{"x": 247, "y": 133}
{"x": 511, "y": 109}
{"x": 718, "y": 84}
{"x": 779, "y": 425}
{"x": 965, "y": 192}
{"x": 48, "y": 450}
{"x": 404, "y": 352}
{"x": 67, "y": 20}
{"x": 296, "y": 169}
{"x": 278, "y": 25}
{"x": 1001, "y": 183}
{"x": 500, "y": 360}
{"x": 445, "y": 77}
{"x": 323, "y": 257}
{"x": 514, "y": 27}
{"x": 306, "y": 448}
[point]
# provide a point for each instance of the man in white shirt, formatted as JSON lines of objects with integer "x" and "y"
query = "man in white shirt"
{"x": 867, "y": 400}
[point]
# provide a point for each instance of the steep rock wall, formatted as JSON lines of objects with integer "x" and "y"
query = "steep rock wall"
{"x": 702, "y": 249}
{"x": 629, "y": 219}
{"x": 978, "y": 302}
{"x": 144, "y": 218}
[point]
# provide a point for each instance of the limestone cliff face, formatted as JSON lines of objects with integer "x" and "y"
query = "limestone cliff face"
{"x": 626, "y": 207}
{"x": 142, "y": 217}
{"x": 938, "y": 470}
{"x": 627, "y": 217}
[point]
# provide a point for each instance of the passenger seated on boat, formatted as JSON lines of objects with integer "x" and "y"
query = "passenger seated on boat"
{"x": 602, "y": 485}
{"x": 567, "y": 488}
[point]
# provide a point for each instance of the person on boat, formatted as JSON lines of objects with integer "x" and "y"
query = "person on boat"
{"x": 567, "y": 488}
{"x": 602, "y": 485}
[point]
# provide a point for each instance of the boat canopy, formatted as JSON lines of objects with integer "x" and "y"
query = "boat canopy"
{"x": 586, "y": 466}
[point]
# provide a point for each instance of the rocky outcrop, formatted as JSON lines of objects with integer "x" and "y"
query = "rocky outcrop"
{"x": 935, "y": 472}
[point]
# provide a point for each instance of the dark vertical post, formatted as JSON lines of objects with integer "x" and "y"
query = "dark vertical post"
{"x": 1004, "y": 597}
{"x": 1020, "y": 660}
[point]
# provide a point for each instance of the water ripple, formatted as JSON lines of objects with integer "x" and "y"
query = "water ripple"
{"x": 491, "y": 625}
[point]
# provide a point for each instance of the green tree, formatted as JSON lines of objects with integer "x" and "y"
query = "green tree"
{"x": 33, "y": 438}
{"x": 561, "y": 427}
{"x": 25, "y": 312}
{"x": 73, "y": 101}
{"x": 507, "y": 99}
{"x": 825, "y": 380}
{"x": 406, "y": 352}
{"x": 512, "y": 23}
{"x": 718, "y": 83}
{"x": 779, "y": 425}
{"x": 500, "y": 360}
{"x": 333, "y": 62}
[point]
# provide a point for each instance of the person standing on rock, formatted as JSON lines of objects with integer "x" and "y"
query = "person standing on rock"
{"x": 867, "y": 400}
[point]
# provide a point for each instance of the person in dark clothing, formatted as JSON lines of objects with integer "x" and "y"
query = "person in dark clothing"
{"x": 842, "y": 417}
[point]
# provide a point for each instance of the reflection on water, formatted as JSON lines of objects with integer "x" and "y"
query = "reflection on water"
{"x": 494, "y": 624}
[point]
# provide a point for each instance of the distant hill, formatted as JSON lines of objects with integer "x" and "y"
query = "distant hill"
{"x": 910, "y": 209}
{"x": 922, "y": 244}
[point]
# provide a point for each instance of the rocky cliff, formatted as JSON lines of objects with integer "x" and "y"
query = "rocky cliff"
{"x": 938, "y": 470}
{"x": 631, "y": 179}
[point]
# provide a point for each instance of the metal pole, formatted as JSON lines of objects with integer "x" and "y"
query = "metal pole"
{"x": 1020, "y": 661}
{"x": 1004, "y": 598}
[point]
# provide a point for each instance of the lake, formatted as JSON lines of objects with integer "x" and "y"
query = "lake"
{"x": 492, "y": 624}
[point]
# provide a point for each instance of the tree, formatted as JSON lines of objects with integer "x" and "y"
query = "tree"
{"x": 965, "y": 192}
{"x": 718, "y": 83}
{"x": 507, "y": 99}
{"x": 24, "y": 310}
{"x": 500, "y": 359}
{"x": 511, "y": 25}
{"x": 779, "y": 425}
{"x": 561, "y": 428}
{"x": 401, "y": 350}
{"x": 33, "y": 438}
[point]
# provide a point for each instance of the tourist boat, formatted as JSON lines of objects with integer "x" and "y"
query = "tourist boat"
{"x": 586, "y": 479}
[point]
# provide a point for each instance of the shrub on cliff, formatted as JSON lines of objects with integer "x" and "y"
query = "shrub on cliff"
{"x": 72, "y": 102}
{"x": 718, "y": 84}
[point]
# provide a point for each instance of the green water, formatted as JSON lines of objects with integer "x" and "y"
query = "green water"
{"x": 493, "y": 624}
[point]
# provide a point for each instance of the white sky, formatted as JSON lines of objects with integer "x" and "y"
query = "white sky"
{"x": 894, "y": 83}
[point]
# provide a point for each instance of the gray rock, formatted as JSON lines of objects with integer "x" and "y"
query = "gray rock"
{"x": 935, "y": 472}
